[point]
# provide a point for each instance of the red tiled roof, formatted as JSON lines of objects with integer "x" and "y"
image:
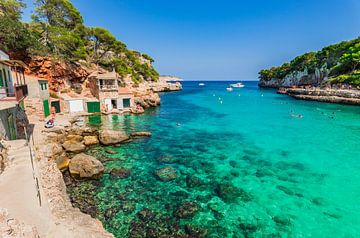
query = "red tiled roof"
{"x": 124, "y": 90}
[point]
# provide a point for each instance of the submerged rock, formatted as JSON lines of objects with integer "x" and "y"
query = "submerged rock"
{"x": 120, "y": 173}
{"x": 167, "y": 159}
{"x": 85, "y": 166}
{"x": 109, "y": 137}
{"x": 73, "y": 146}
{"x": 195, "y": 231}
{"x": 187, "y": 210}
{"x": 111, "y": 152}
{"x": 285, "y": 190}
{"x": 193, "y": 181}
{"x": 282, "y": 220}
{"x": 145, "y": 214}
{"x": 128, "y": 206}
{"x": 109, "y": 213}
{"x": 229, "y": 193}
{"x": 166, "y": 174}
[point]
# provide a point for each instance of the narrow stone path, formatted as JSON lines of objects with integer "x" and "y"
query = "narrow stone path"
{"x": 18, "y": 189}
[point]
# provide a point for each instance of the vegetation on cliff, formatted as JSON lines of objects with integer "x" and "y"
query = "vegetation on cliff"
{"x": 57, "y": 30}
{"x": 341, "y": 60}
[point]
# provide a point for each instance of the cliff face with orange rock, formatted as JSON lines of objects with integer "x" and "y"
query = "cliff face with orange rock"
{"x": 58, "y": 73}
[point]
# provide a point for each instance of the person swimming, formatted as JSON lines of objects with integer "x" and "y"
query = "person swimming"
{"x": 178, "y": 124}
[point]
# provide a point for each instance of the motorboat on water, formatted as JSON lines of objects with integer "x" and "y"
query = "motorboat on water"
{"x": 201, "y": 84}
{"x": 237, "y": 85}
{"x": 229, "y": 89}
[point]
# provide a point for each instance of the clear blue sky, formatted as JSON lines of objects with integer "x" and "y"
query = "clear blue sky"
{"x": 224, "y": 39}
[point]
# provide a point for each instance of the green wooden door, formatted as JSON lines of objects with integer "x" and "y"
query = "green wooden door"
{"x": 93, "y": 107}
{"x": 126, "y": 102}
{"x": 12, "y": 129}
{"x": 46, "y": 108}
{"x": 56, "y": 105}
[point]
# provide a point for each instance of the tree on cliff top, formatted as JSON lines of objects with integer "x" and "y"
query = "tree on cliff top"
{"x": 62, "y": 29}
{"x": 15, "y": 38}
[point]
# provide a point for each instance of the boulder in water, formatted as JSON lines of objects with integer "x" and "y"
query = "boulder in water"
{"x": 110, "y": 137}
{"x": 85, "y": 166}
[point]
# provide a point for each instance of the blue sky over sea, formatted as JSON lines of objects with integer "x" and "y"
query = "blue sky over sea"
{"x": 222, "y": 40}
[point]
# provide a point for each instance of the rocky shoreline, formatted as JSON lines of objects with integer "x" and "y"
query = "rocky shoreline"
{"x": 341, "y": 96}
{"x": 64, "y": 164}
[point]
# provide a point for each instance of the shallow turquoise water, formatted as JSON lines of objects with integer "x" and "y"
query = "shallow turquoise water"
{"x": 299, "y": 177}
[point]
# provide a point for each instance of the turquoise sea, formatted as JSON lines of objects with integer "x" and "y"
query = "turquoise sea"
{"x": 247, "y": 164}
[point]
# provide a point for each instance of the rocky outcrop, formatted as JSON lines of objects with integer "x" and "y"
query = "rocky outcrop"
{"x": 166, "y": 174}
{"x": 109, "y": 137}
{"x": 85, "y": 166}
{"x": 351, "y": 97}
{"x": 147, "y": 100}
{"x": 165, "y": 86}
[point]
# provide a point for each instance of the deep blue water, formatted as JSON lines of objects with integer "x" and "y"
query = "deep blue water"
{"x": 263, "y": 171}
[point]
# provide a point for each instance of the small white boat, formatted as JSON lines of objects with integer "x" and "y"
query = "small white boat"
{"x": 229, "y": 89}
{"x": 237, "y": 85}
{"x": 201, "y": 84}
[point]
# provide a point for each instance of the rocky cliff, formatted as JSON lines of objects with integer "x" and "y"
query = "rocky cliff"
{"x": 58, "y": 73}
{"x": 298, "y": 78}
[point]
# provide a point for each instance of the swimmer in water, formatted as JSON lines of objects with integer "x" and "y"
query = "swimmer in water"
{"x": 178, "y": 124}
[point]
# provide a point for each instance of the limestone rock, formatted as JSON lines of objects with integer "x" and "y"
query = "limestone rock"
{"x": 109, "y": 137}
{"x": 63, "y": 163}
{"x": 85, "y": 166}
{"x": 91, "y": 140}
{"x": 77, "y": 138}
{"x": 166, "y": 174}
{"x": 52, "y": 149}
{"x": 73, "y": 146}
